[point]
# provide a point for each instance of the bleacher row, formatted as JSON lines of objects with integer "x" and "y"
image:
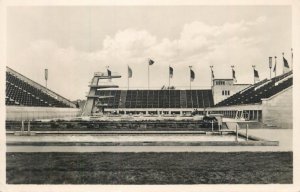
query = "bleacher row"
{"x": 19, "y": 92}
{"x": 260, "y": 90}
{"x": 157, "y": 98}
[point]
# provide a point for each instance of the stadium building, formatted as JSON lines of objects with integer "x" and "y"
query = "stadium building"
{"x": 268, "y": 101}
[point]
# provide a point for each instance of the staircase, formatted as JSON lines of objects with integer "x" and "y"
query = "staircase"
{"x": 183, "y": 103}
{"x": 122, "y": 98}
{"x": 243, "y": 125}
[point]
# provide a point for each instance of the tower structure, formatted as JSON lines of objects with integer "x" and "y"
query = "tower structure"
{"x": 93, "y": 103}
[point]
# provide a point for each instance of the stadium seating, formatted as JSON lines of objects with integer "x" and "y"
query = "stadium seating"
{"x": 22, "y": 93}
{"x": 157, "y": 98}
{"x": 260, "y": 90}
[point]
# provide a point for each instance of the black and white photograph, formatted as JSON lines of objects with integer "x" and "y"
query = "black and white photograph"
{"x": 148, "y": 94}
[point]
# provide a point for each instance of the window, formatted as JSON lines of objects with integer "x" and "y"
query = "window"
{"x": 225, "y": 92}
{"x": 220, "y": 82}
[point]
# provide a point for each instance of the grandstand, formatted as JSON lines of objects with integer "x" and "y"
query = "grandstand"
{"x": 26, "y": 99}
{"x": 157, "y": 98}
{"x": 263, "y": 89}
{"x": 268, "y": 101}
{"x": 22, "y": 91}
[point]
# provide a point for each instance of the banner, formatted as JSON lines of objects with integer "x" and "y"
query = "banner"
{"x": 129, "y": 72}
{"x": 256, "y": 76}
{"x": 171, "y": 72}
{"x": 286, "y": 66}
{"x": 151, "y": 62}
{"x": 192, "y": 75}
{"x": 108, "y": 72}
{"x": 233, "y": 75}
{"x": 46, "y": 74}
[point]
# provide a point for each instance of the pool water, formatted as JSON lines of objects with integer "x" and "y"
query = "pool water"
{"x": 120, "y": 138}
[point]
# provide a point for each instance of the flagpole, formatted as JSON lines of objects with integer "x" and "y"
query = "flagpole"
{"x": 169, "y": 87}
{"x": 292, "y": 59}
{"x": 253, "y": 66}
{"x": 190, "y": 78}
{"x": 191, "y": 85}
{"x": 169, "y": 77}
{"x": 211, "y": 75}
{"x": 148, "y": 75}
{"x": 128, "y": 77}
{"x": 275, "y": 65}
{"x": 283, "y": 62}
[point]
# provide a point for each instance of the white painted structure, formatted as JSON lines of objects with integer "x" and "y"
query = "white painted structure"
{"x": 224, "y": 88}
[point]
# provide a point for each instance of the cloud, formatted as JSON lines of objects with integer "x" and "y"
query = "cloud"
{"x": 199, "y": 44}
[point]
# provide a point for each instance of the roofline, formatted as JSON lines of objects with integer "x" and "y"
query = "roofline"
{"x": 222, "y": 79}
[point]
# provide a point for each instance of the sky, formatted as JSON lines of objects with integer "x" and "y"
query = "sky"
{"x": 74, "y": 42}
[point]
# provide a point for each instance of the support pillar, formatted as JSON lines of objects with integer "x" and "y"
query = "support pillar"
{"x": 22, "y": 127}
{"x": 28, "y": 128}
{"x": 237, "y": 133}
{"x": 247, "y": 132}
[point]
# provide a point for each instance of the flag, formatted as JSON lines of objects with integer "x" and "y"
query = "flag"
{"x": 129, "y": 72}
{"x": 274, "y": 69}
{"x": 192, "y": 75}
{"x": 292, "y": 59}
{"x": 256, "y": 76}
{"x": 233, "y": 75}
{"x": 171, "y": 72}
{"x": 151, "y": 62}
{"x": 212, "y": 74}
{"x": 46, "y": 74}
{"x": 108, "y": 72}
{"x": 286, "y": 66}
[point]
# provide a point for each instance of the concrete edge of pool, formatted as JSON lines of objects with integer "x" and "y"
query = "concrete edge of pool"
{"x": 154, "y": 143}
{"x": 249, "y": 140}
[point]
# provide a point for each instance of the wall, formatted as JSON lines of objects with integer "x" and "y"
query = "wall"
{"x": 278, "y": 110}
{"x": 17, "y": 113}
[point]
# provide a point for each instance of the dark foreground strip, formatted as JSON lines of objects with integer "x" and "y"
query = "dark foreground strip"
{"x": 150, "y": 168}
{"x": 162, "y": 143}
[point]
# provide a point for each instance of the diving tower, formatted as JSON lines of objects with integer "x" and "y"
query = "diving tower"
{"x": 93, "y": 102}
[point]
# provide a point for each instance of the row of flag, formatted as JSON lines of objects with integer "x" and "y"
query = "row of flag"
{"x": 171, "y": 70}
{"x": 286, "y": 68}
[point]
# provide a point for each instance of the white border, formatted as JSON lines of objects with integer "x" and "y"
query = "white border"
{"x": 220, "y": 187}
